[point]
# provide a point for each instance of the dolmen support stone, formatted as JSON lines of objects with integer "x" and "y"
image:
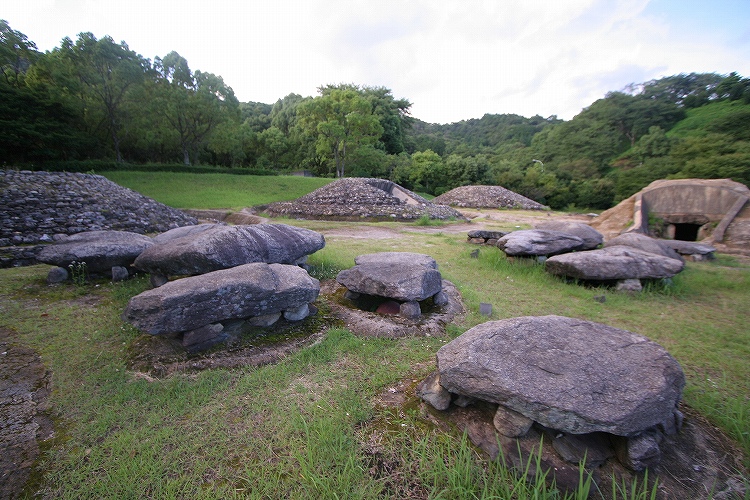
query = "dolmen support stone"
{"x": 538, "y": 242}
{"x": 197, "y": 306}
{"x": 222, "y": 247}
{"x": 101, "y": 251}
{"x": 402, "y": 276}
{"x": 590, "y": 236}
{"x": 570, "y": 375}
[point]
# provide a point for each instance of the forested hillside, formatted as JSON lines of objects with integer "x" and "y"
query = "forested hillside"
{"x": 93, "y": 103}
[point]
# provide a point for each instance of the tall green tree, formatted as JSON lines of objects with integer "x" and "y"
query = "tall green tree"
{"x": 193, "y": 104}
{"x": 340, "y": 120}
{"x": 105, "y": 72}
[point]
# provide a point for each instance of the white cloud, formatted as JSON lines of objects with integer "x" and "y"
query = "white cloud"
{"x": 453, "y": 60}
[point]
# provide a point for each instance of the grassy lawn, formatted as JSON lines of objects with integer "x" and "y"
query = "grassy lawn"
{"x": 205, "y": 191}
{"x": 308, "y": 427}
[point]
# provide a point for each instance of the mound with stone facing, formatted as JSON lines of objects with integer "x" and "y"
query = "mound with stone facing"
{"x": 487, "y": 197}
{"x": 361, "y": 199}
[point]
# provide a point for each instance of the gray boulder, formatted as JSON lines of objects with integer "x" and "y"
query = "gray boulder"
{"x": 100, "y": 250}
{"x": 590, "y": 236}
{"x": 402, "y": 281}
{"x": 567, "y": 374}
{"x": 645, "y": 243}
{"x": 613, "y": 263}
{"x": 241, "y": 292}
{"x": 691, "y": 249}
{"x": 396, "y": 258}
{"x": 223, "y": 247}
{"x": 534, "y": 242}
{"x": 180, "y": 232}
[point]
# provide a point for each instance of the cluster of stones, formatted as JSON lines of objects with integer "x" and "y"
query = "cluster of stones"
{"x": 361, "y": 199}
{"x": 40, "y": 207}
{"x": 237, "y": 276}
{"x": 599, "y": 389}
{"x": 398, "y": 281}
{"x": 484, "y": 237}
{"x": 487, "y": 197}
{"x": 576, "y": 250}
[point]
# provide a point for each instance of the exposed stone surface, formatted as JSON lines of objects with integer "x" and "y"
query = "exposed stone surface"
{"x": 432, "y": 392}
{"x": 487, "y": 197}
{"x": 223, "y": 247}
{"x": 645, "y": 243}
{"x": 483, "y": 237}
{"x": 356, "y": 198}
{"x": 511, "y": 423}
{"x": 691, "y": 250}
{"x": 181, "y": 232}
{"x": 237, "y": 293}
{"x": 590, "y": 236}
{"x": 613, "y": 263}
{"x": 567, "y": 374}
{"x": 396, "y": 258}
{"x": 534, "y": 242}
{"x": 401, "y": 281}
{"x": 100, "y": 250}
{"x": 35, "y": 206}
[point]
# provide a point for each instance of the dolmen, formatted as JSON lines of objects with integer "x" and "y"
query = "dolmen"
{"x": 691, "y": 250}
{"x": 199, "y": 310}
{"x": 200, "y": 250}
{"x": 591, "y": 237}
{"x": 625, "y": 260}
{"x": 94, "y": 252}
{"x": 398, "y": 280}
{"x": 484, "y": 237}
{"x": 568, "y": 377}
{"x": 539, "y": 243}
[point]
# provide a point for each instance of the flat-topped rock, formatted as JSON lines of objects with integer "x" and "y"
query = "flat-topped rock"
{"x": 402, "y": 281}
{"x": 100, "y": 250}
{"x": 223, "y": 247}
{"x": 396, "y": 258}
{"x": 613, "y": 263}
{"x": 645, "y": 243}
{"x": 535, "y": 242}
{"x": 567, "y": 374}
{"x": 590, "y": 236}
{"x": 180, "y": 232}
{"x": 691, "y": 249}
{"x": 250, "y": 290}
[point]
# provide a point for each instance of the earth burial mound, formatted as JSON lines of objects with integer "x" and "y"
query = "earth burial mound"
{"x": 358, "y": 198}
{"x": 487, "y": 197}
{"x": 38, "y": 207}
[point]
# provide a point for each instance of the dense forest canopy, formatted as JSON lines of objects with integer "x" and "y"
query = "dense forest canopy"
{"x": 95, "y": 101}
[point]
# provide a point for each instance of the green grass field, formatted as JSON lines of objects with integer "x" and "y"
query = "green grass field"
{"x": 307, "y": 426}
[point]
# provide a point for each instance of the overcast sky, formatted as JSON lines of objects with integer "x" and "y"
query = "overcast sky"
{"x": 453, "y": 60}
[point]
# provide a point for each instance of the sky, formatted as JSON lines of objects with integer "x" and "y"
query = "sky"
{"x": 453, "y": 60}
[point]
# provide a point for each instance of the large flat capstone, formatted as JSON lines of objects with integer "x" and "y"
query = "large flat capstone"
{"x": 255, "y": 289}
{"x": 405, "y": 277}
{"x": 568, "y": 374}
{"x": 614, "y": 263}
{"x": 100, "y": 250}
{"x": 223, "y": 247}
{"x": 535, "y": 242}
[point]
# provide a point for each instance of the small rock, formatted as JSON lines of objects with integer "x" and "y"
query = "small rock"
{"x": 410, "y": 310}
{"x": 430, "y": 391}
{"x": 297, "y": 314}
{"x": 264, "y": 320}
{"x": 629, "y": 285}
{"x": 57, "y": 275}
{"x": 511, "y": 423}
{"x": 119, "y": 273}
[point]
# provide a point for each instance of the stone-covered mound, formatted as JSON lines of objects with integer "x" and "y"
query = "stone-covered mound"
{"x": 358, "y": 198}
{"x": 37, "y": 206}
{"x": 487, "y": 197}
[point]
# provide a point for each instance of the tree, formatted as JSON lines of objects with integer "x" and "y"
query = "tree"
{"x": 106, "y": 72}
{"x": 340, "y": 120}
{"x": 193, "y": 104}
{"x": 17, "y": 53}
